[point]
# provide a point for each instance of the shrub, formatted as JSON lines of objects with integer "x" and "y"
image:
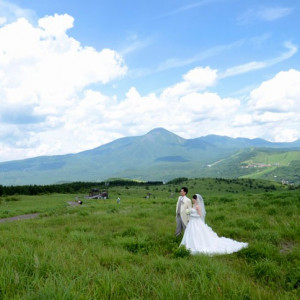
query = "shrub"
{"x": 166, "y": 243}
{"x": 219, "y": 218}
{"x": 112, "y": 210}
{"x": 8, "y": 199}
{"x": 268, "y": 236}
{"x": 267, "y": 271}
{"x": 83, "y": 213}
{"x": 131, "y": 231}
{"x": 292, "y": 278}
{"x": 178, "y": 180}
{"x": 225, "y": 199}
{"x": 181, "y": 252}
{"x": 136, "y": 246}
{"x": 259, "y": 204}
{"x": 258, "y": 251}
{"x": 272, "y": 211}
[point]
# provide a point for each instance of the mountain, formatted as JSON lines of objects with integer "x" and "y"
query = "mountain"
{"x": 157, "y": 155}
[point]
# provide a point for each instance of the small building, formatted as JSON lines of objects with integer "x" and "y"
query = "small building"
{"x": 97, "y": 194}
{"x": 94, "y": 192}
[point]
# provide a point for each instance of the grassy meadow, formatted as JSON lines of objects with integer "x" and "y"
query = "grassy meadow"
{"x": 105, "y": 250}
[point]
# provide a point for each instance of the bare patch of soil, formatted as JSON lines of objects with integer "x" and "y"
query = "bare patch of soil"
{"x": 30, "y": 216}
{"x": 73, "y": 203}
{"x": 286, "y": 247}
{"x": 21, "y": 217}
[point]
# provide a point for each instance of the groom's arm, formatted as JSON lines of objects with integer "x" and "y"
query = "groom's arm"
{"x": 177, "y": 205}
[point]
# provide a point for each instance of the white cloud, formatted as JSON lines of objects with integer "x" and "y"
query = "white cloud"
{"x": 273, "y": 117}
{"x": 272, "y": 110}
{"x": 242, "y": 120}
{"x": 136, "y": 44}
{"x": 9, "y": 12}
{"x": 3, "y": 20}
{"x": 45, "y": 67}
{"x": 188, "y": 7}
{"x": 208, "y": 106}
{"x": 279, "y": 94}
{"x": 244, "y": 68}
{"x": 286, "y": 134}
{"x": 195, "y": 80}
{"x": 56, "y": 25}
{"x": 254, "y": 65}
{"x": 273, "y": 13}
{"x": 173, "y": 63}
{"x": 43, "y": 74}
{"x": 266, "y": 14}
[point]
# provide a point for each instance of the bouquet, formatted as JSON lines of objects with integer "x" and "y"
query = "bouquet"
{"x": 188, "y": 211}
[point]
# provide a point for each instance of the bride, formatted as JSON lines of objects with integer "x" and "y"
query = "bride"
{"x": 200, "y": 238}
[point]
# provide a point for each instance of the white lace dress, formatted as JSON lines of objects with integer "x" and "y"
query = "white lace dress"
{"x": 200, "y": 238}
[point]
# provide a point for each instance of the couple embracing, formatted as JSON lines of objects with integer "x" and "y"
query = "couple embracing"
{"x": 199, "y": 237}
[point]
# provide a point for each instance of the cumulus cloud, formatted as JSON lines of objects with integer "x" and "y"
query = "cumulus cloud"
{"x": 208, "y": 106}
{"x": 279, "y": 94}
{"x": 195, "y": 80}
{"x": 56, "y": 25}
{"x": 43, "y": 66}
{"x": 272, "y": 110}
{"x": 43, "y": 73}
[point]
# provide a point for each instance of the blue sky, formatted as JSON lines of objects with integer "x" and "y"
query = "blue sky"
{"x": 77, "y": 74}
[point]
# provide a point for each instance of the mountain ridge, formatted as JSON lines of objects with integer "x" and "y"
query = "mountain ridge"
{"x": 156, "y": 155}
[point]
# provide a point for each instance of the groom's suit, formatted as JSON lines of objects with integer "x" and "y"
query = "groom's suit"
{"x": 182, "y": 218}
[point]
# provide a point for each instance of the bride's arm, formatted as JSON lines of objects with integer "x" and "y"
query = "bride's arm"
{"x": 198, "y": 210}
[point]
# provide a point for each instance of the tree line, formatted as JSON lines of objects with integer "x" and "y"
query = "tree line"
{"x": 69, "y": 188}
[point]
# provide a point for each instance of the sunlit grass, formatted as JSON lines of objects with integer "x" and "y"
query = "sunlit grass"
{"x": 105, "y": 250}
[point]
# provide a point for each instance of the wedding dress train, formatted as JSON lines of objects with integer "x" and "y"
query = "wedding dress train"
{"x": 200, "y": 238}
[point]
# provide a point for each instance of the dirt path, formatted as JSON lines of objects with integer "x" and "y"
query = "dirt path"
{"x": 21, "y": 217}
{"x": 30, "y": 216}
{"x": 73, "y": 203}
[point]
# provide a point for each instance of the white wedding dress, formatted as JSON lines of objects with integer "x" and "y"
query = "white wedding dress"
{"x": 200, "y": 238}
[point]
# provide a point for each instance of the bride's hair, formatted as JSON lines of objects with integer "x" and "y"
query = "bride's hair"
{"x": 200, "y": 202}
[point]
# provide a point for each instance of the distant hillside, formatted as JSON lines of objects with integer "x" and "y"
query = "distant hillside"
{"x": 161, "y": 155}
{"x": 279, "y": 165}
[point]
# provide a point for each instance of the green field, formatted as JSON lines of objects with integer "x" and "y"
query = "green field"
{"x": 105, "y": 250}
{"x": 282, "y": 158}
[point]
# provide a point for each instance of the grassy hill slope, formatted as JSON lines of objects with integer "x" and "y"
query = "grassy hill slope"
{"x": 264, "y": 163}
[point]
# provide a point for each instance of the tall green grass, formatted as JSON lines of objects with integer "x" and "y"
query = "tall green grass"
{"x": 105, "y": 250}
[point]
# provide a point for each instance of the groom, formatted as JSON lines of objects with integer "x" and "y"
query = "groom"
{"x": 183, "y": 204}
